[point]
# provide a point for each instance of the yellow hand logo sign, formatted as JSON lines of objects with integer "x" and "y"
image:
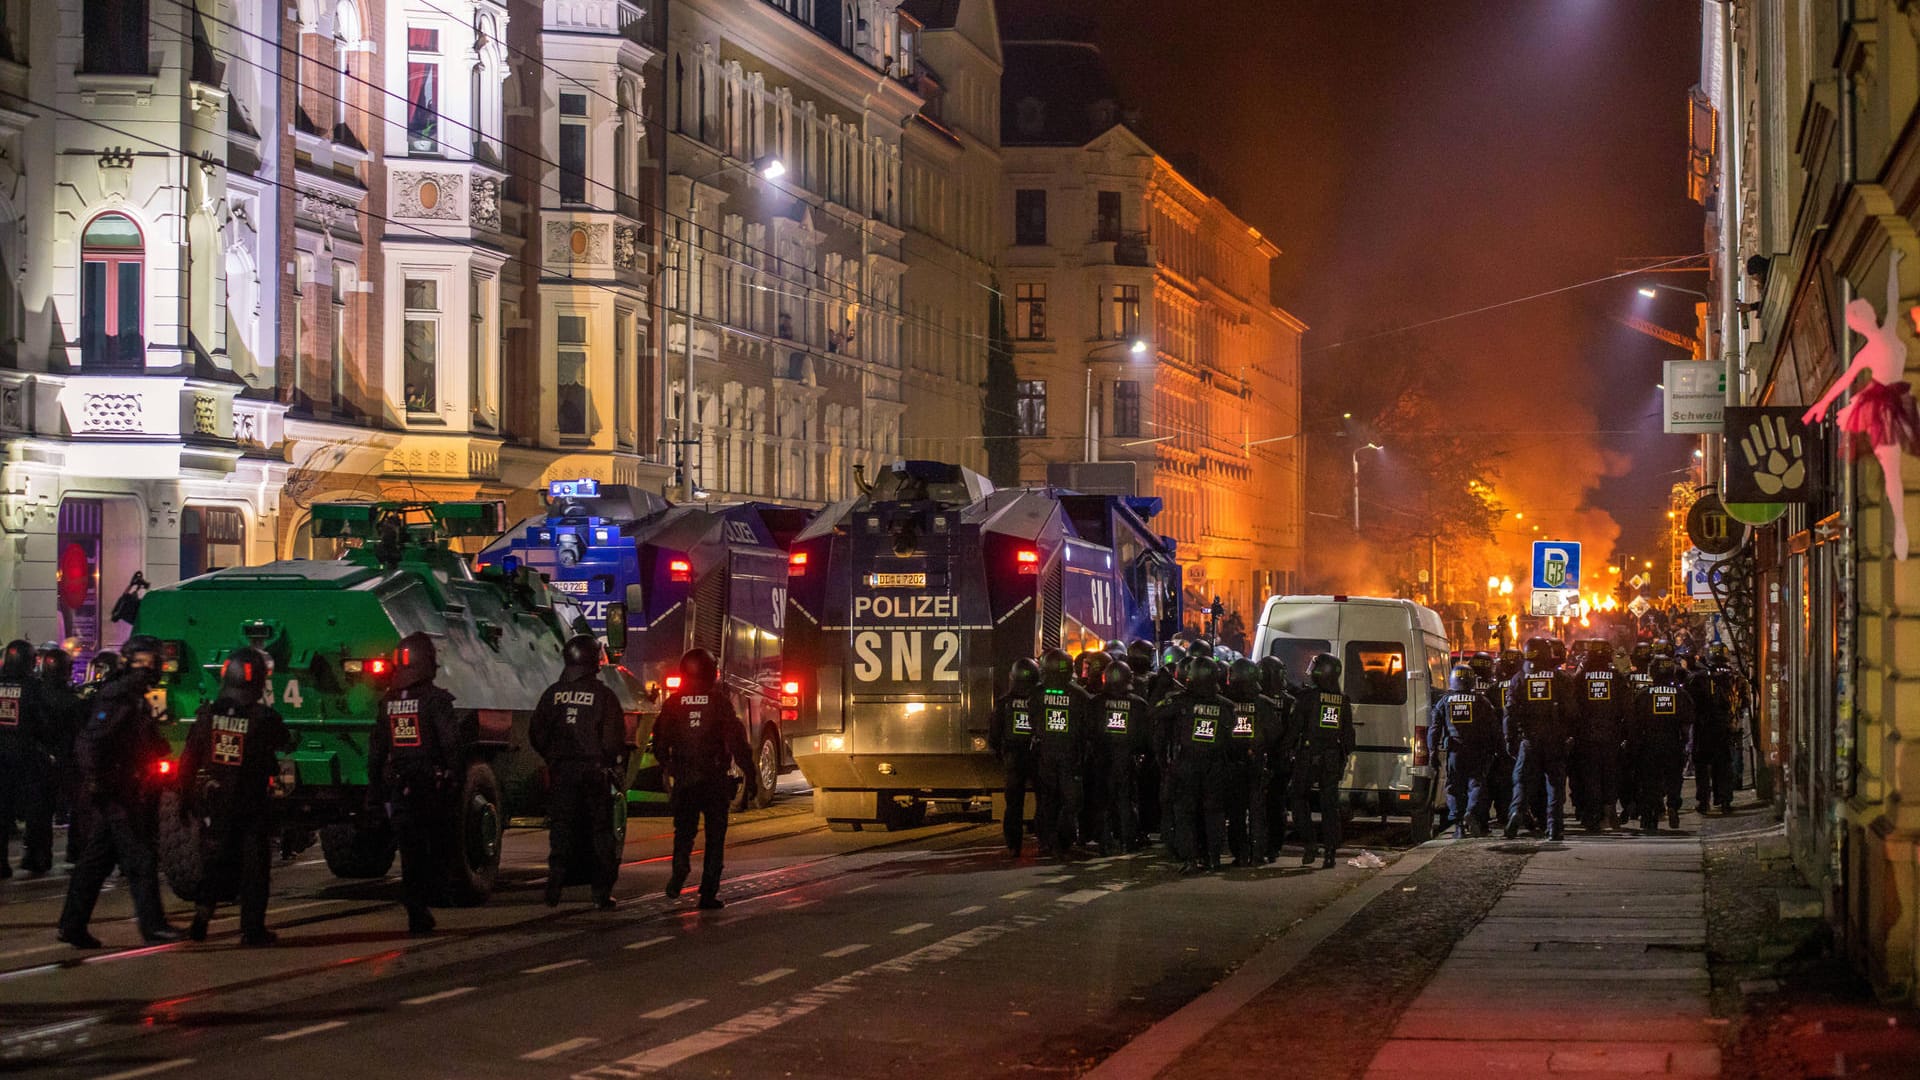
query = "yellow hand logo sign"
{"x": 1774, "y": 456}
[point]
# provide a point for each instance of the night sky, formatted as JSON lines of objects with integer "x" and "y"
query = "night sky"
{"x": 1415, "y": 160}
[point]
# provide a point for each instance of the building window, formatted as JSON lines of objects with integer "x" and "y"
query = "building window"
{"x": 1030, "y": 216}
{"x": 423, "y": 90}
{"x": 1126, "y": 407}
{"x": 342, "y": 355}
{"x": 1123, "y": 312}
{"x": 1030, "y": 311}
{"x": 346, "y": 36}
{"x": 422, "y": 346}
{"x": 622, "y": 380}
{"x": 113, "y": 37}
{"x": 1107, "y": 217}
{"x": 1032, "y": 416}
{"x": 111, "y": 258}
{"x": 573, "y": 148}
{"x": 571, "y": 414}
{"x": 479, "y": 371}
{"x": 211, "y": 537}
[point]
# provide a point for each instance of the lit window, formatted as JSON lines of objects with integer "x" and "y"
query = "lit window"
{"x": 211, "y": 538}
{"x": 421, "y": 366}
{"x": 1030, "y": 311}
{"x": 571, "y": 376}
{"x": 423, "y": 90}
{"x": 1032, "y": 408}
{"x": 112, "y": 263}
{"x": 1123, "y": 311}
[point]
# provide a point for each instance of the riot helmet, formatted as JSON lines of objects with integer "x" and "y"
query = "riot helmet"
{"x": 1172, "y": 657}
{"x": 1558, "y": 650}
{"x": 1719, "y": 657}
{"x": 1091, "y": 663}
{"x": 582, "y": 651}
{"x": 142, "y": 652}
{"x": 1024, "y": 679}
{"x": 1243, "y": 679}
{"x": 1640, "y": 655}
{"x": 1663, "y": 647}
{"x": 1056, "y": 668}
{"x": 243, "y": 678}
{"x": 1598, "y": 657}
{"x": 1665, "y": 671}
{"x": 415, "y": 661}
{"x": 1323, "y": 671}
{"x": 1140, "y": 657}
{"x": 1540, "y": 653}
{"x": 1203, "y": 676}
{"x": 1481, "y": 664}
{"x": 1461, "y": 680}
{"x": 698, "y": 670}
{"x": 1273, "y": 675}
{"x": 1508, "y": 665}
{"x": 1117, "y": 679}
{"x": 103, "y": 666}
{"x": 18, "y": 663}
{"x": 1116, "y": 649}
{"x": 52, "y": 664}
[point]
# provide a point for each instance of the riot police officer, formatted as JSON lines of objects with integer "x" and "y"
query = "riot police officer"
{"x": 1061, "y": 745}
{"x": 116, "y": 753}
{"x": 62, "y": 712}
{"x": 1469, "y": 733}
{"x": 1089, "y": 669}
{"x": 1197, "y": 719}
{"x": 580, "y": 731}
{"x": 26, "y": 766}
{"x": 1323, "y": 721}
{"x": 1658, "y": 728}
{"x": 227, "y": 769}
{"x": 696, "y": 738}
{"x": 1639, "y": 658}
{"x": 1281, "y": 744}
{"x": 1539, "y": 727}
{"x": 1140, "y": 660}
{"x": 1011, "y": 740}
{"x": 1711, "y": 688}
{"x": 1121, "y": 742}
{"x": 414, "y": 759}
{"x": 1602, "y": 703}
{"x": 1244, "y": 763}
{"x": 1500, "y": 793}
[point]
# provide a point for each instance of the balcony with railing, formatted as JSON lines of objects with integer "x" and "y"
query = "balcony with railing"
{"x": 1111, "y": 246}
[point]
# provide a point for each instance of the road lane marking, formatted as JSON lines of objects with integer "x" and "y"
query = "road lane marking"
{"x": 677, "y": 1007}
{"x": 1084, "y": 896}
{"x": 650, "y": 942}
{"x": 1060, "y": 880}
{"x": 48, "y": 1031}
{"x": 149, "y": 1070}
{"x": 35, "y": 970}
{"x": 441, "y": 996}
{"x": 35, "y": 949}
{"x": 544, "y": 968}
{"x": 844, "y": 950}
{"x": 914, "y": 928}
{"x": 558, "y": 1048}
{"x": 766, "y": 977}
{"x": 863, "y": 888}
{"x": 310, "y": 1029}
{"x": 968, "y": 910}
{"x": 1016, "y": 894}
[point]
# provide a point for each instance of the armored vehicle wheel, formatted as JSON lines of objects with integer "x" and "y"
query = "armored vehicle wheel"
{"x": 766, "y": 759}
{"x": 183, "y": 850}
{"x": 354, "y": 852}
{"x": 473, "y": 857}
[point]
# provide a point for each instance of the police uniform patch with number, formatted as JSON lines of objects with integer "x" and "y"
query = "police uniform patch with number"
{"x": 1056, "y": 720}
{"x": 1117, "y": 718}
{"x": 1022, "y": 722}
{"x": 1600, "y": 687}
{"x": 9, "y": 706}
{"x": 1460, "y": 710}
{"x": 1205, "y": 728}
{"x": 1539, "y": 688}
{"x": 1329, "y": 716}
{"x": 1665, "y": 703}
{"x": 230, "y": 738}
{"x": 1242, "y": 721}
{"x": 403, "y": 720}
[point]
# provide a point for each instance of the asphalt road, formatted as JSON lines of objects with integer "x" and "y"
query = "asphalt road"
{"x": 926, "y": 952}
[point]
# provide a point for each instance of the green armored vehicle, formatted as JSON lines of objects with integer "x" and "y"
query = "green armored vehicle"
{"x": 331, "y": 628}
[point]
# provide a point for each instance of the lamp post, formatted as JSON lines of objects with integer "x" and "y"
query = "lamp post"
{"x": 1137, "y": 348}
{"x": 1649, "y": 291}
{"x": 1356, "y": 482}
{"x": 770, "y": 168}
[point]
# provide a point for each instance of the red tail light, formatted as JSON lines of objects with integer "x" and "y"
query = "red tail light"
{"x": 673, "y": 682}
{"x": 1029, "y": 560}
{"x": 791, "y": 686}
{"x": 680, "y": 570}
{"x": 169, "y": 656}
{"x": 790, "y": 700}
{"x": 163, "y": 767}
{"x": 376, "y": 667}
{"x": 797, "y": 564}
{"x": 1419, "y": 745}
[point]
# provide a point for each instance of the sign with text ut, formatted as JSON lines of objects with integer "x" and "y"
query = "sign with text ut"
{"x": 1556, "y": 564}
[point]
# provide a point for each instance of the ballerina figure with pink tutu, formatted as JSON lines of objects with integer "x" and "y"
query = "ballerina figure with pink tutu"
{"x": 1881, "y": 418}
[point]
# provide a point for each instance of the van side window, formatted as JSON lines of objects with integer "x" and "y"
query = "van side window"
{"x": 1376, "y": 672}
{"x": 1297, "y": 653}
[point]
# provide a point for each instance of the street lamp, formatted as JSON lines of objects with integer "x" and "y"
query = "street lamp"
{"x": 1137, "y": 348}
{"x": 1356, "y": 482}
{"x": 1650, "y": 291}
{"x": 769, "y": 168}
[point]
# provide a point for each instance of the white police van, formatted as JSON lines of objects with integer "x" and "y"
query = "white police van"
{"x": 1394, "y": 661}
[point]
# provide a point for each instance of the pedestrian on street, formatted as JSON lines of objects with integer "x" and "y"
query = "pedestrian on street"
{"x": 414, "y": 762}
{"x": 117, "y": 751}
{"x": 227, "y": 771}
{"x": 1657, "y": 733}
{"x": 1602, "y": 704}
{"x": 1539, "y": 730}
{"x": 579, "y": 730}
{"x": 1011, "y": 740}
{"x": 1469, "y": 737}
{"x": 1198, "y": 718}
{"x": 1323, "y": 717}
{"x": 1061, "y": 746}
{"x": 1277, "y": 697}
{"x": 1711, "y": 688}
{"x": 26, "y": 763}
{"x": 696, "y": 739}
{"x": 1121, "y": 742}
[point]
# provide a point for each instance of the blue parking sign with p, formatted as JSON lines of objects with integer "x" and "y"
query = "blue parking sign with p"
{"x": 1556, "y": 564}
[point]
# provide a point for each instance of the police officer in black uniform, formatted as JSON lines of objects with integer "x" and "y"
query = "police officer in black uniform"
{"x": 1121, "y": 742}
{"x": 1140, "y": 660}
{"x": 62, "y": 713}
{"x": 1657, "y": 732}
{"x": 696, "y": 738}
{"x": 580, "y": 731}
{"x": 1061, "y": 745}
{"x": 1323, "y": 723}
{"x": 26, "y": 765}
{"x": 1011, "y": 740}
{"x": 1198, "y": 719}
{"x": 1090, "y": 668}
{"x": 1245, "y": 771}
{"x": 1468, "y": 734}
{"x": 414, "y": 760}
{"x": 1500, "y": 793}
{"x": 1712, "y": 690}
{"x": 1539, "y": 728}
{"x": 1639, "y": 658}
{"x": 1603, "y": 700}
{"x": 1282, "y": 742}
{"x": 227, "y": 768}
{"x": 116, "y": 752}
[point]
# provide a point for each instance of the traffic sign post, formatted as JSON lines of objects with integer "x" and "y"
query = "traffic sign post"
{"x": 1556, "y": 565}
